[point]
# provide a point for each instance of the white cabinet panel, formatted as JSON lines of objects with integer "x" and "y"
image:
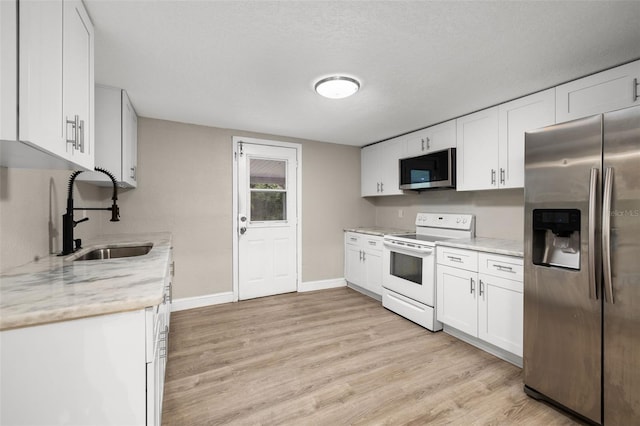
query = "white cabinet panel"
{"x": 598, "y": 93}
{"x": 486, "y": 305}
{"x": 363, "y": 261}
{"x": 116, "y": 138}
{"x": 380, "y": 173}
{"x": 8, "y": 71}
{"x": 456, "y": 298}
{"x": 500, "y": 312}
{"x": 435, "y": 138}
{"x": 516, "y": 118}
{"x": 55, "y": 75}
{"x": 477, "y": 150}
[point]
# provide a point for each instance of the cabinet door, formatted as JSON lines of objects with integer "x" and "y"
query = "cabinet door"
{"x": 477, "y": 150}
{"x": 129, "y": 141}
{"x": 353, "y": 269}
{"x": 431, "y": 139}
{"x": 78, "y": 81}
{"x": 389, "y": 154}
{"x": 8, "y": 71}
{"x": 369, "y": 181}
{"x": 605, "y": 91}
{"x": 517, "y": 117}
{"x": 456, "y": 299}
{"x": 500, "y": 312}
{"x": 372, "y": 247}
{"x": 40, "y": 77}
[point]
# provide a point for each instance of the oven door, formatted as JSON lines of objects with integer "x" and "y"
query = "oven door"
{"x": 410, "y": 273}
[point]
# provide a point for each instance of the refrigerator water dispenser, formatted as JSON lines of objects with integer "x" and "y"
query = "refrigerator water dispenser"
{"x": 556, "y": 238}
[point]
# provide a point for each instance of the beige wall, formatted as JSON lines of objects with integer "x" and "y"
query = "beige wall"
{"x": 499, "y": 213}
{"x": 185, "y": 187}
{"x": 31, "y": 206}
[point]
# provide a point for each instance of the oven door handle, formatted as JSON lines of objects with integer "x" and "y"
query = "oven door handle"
{"x": 407, "y": 249}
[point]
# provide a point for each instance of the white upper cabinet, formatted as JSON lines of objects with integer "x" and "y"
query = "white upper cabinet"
{"x": 605, "y": 91}
{"x": 380, "y": 173}
{"x": 515, "y": 118}
{"x": 8, "y": 72}
{"x": 55, "y": 96}
{"x": 78, "y": 82}
{"x": 490, "y": 153}
{"x": 477, "y": 150}
{"x": 116, "y": 139}
{"x": 435, "y": 138}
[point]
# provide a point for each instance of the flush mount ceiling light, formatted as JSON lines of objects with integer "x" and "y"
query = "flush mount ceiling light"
{"x": 337, "y": 87}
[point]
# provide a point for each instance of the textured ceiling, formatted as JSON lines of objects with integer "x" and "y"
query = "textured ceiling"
{"x": 251, "y": 65}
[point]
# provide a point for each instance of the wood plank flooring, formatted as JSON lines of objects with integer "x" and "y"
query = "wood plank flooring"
{"x": 333, "y": 357}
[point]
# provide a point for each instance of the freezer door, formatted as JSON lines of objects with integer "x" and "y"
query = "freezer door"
{"x": 562, "y": 312}
{"x": 622, "y": 314}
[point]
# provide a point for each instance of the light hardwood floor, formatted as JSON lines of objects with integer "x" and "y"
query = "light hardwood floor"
{"x": 333, "y": 357}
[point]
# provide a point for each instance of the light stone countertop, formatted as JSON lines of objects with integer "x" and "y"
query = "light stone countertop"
{"x": 54, "y": 289}
{"x": 490, "y": 245}
{"x": 380, "y": 231}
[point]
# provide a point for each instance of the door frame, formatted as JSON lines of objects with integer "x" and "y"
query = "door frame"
{"x": 236, "y": 242}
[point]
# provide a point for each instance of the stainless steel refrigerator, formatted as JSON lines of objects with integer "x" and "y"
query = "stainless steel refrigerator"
{"x": 582, "y": 266}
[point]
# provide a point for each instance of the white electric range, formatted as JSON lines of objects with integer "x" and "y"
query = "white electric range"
{"x": 409, "y": 261}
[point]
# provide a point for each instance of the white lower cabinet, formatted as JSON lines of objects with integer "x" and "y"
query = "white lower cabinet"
{"x": 481, "y": 295}
{"x": 363, "y": 261}
{"x": 102, "y": 370}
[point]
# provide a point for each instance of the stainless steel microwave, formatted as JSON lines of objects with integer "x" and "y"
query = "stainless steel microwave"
{"x": 434, "y": 170}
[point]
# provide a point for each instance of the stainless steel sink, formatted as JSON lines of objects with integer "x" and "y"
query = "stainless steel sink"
{"x": 114, "y": 252}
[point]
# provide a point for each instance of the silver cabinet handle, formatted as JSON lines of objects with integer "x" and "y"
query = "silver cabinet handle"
{"x": 593, "y": 195}
{"x": 472, "y": 286}
{"x": 373, "y": 243}
{"x": 74, "y": 131}
{"x": 606, "y": 234}
{"x": 454, "y": 259}
{"x": 481, "y": 288}
{"x": 493, "y": 176}
{"x": 502, "y": 175}
{"x": 504, "y": 268}
{"x": 636, "y": 83}
{"x": 360, "y": 253}
{"x": 422, "y": 144}
{"x": 81, "y": 135}
{"x": 428, "y": 144}
{"x": 381, "y": 186}
{"x": 353, "y": 238}
{"x": 133, "y": 173}
{"x": 364, "y": 256}
{"x": 377, "y": 186}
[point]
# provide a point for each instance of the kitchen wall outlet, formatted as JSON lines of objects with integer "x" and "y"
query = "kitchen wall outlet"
{"x": 400, "y": 213}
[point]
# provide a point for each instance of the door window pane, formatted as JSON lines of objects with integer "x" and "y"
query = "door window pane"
{"x": 268, "y": 206}
{"x": 267, "y": 174}
{"x": 268, "y": 190}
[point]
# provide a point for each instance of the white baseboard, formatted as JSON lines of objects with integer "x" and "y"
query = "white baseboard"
{"x": 321, "y": 284}
{"x": 201, "y": 301}
{"x": 227, "y": 296}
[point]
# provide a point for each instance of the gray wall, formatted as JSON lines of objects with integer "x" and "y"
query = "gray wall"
{"x": 185, "y": 187}
{"x": 499, "y": 213}
{"x": 31, "y": 206}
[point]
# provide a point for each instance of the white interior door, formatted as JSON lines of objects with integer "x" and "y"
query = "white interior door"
{"x": 267, "y": 220}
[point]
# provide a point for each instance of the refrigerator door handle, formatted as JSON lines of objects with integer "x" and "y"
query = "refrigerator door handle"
{"x": 593, "y": 277}
{"x": 606, "y": 234}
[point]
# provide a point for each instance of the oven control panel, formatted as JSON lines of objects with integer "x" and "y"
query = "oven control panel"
{"x": 446, "y": 220}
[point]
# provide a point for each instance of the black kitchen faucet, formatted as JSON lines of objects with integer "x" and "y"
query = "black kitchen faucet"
{"x": 67, "y": 219}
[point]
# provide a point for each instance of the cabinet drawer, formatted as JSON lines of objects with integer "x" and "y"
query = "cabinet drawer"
{"x": 372, "y": 243}
{"x": 458, "y": 258}
{"x": 509, "y": 267}
{"x": 352, "y": 238}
